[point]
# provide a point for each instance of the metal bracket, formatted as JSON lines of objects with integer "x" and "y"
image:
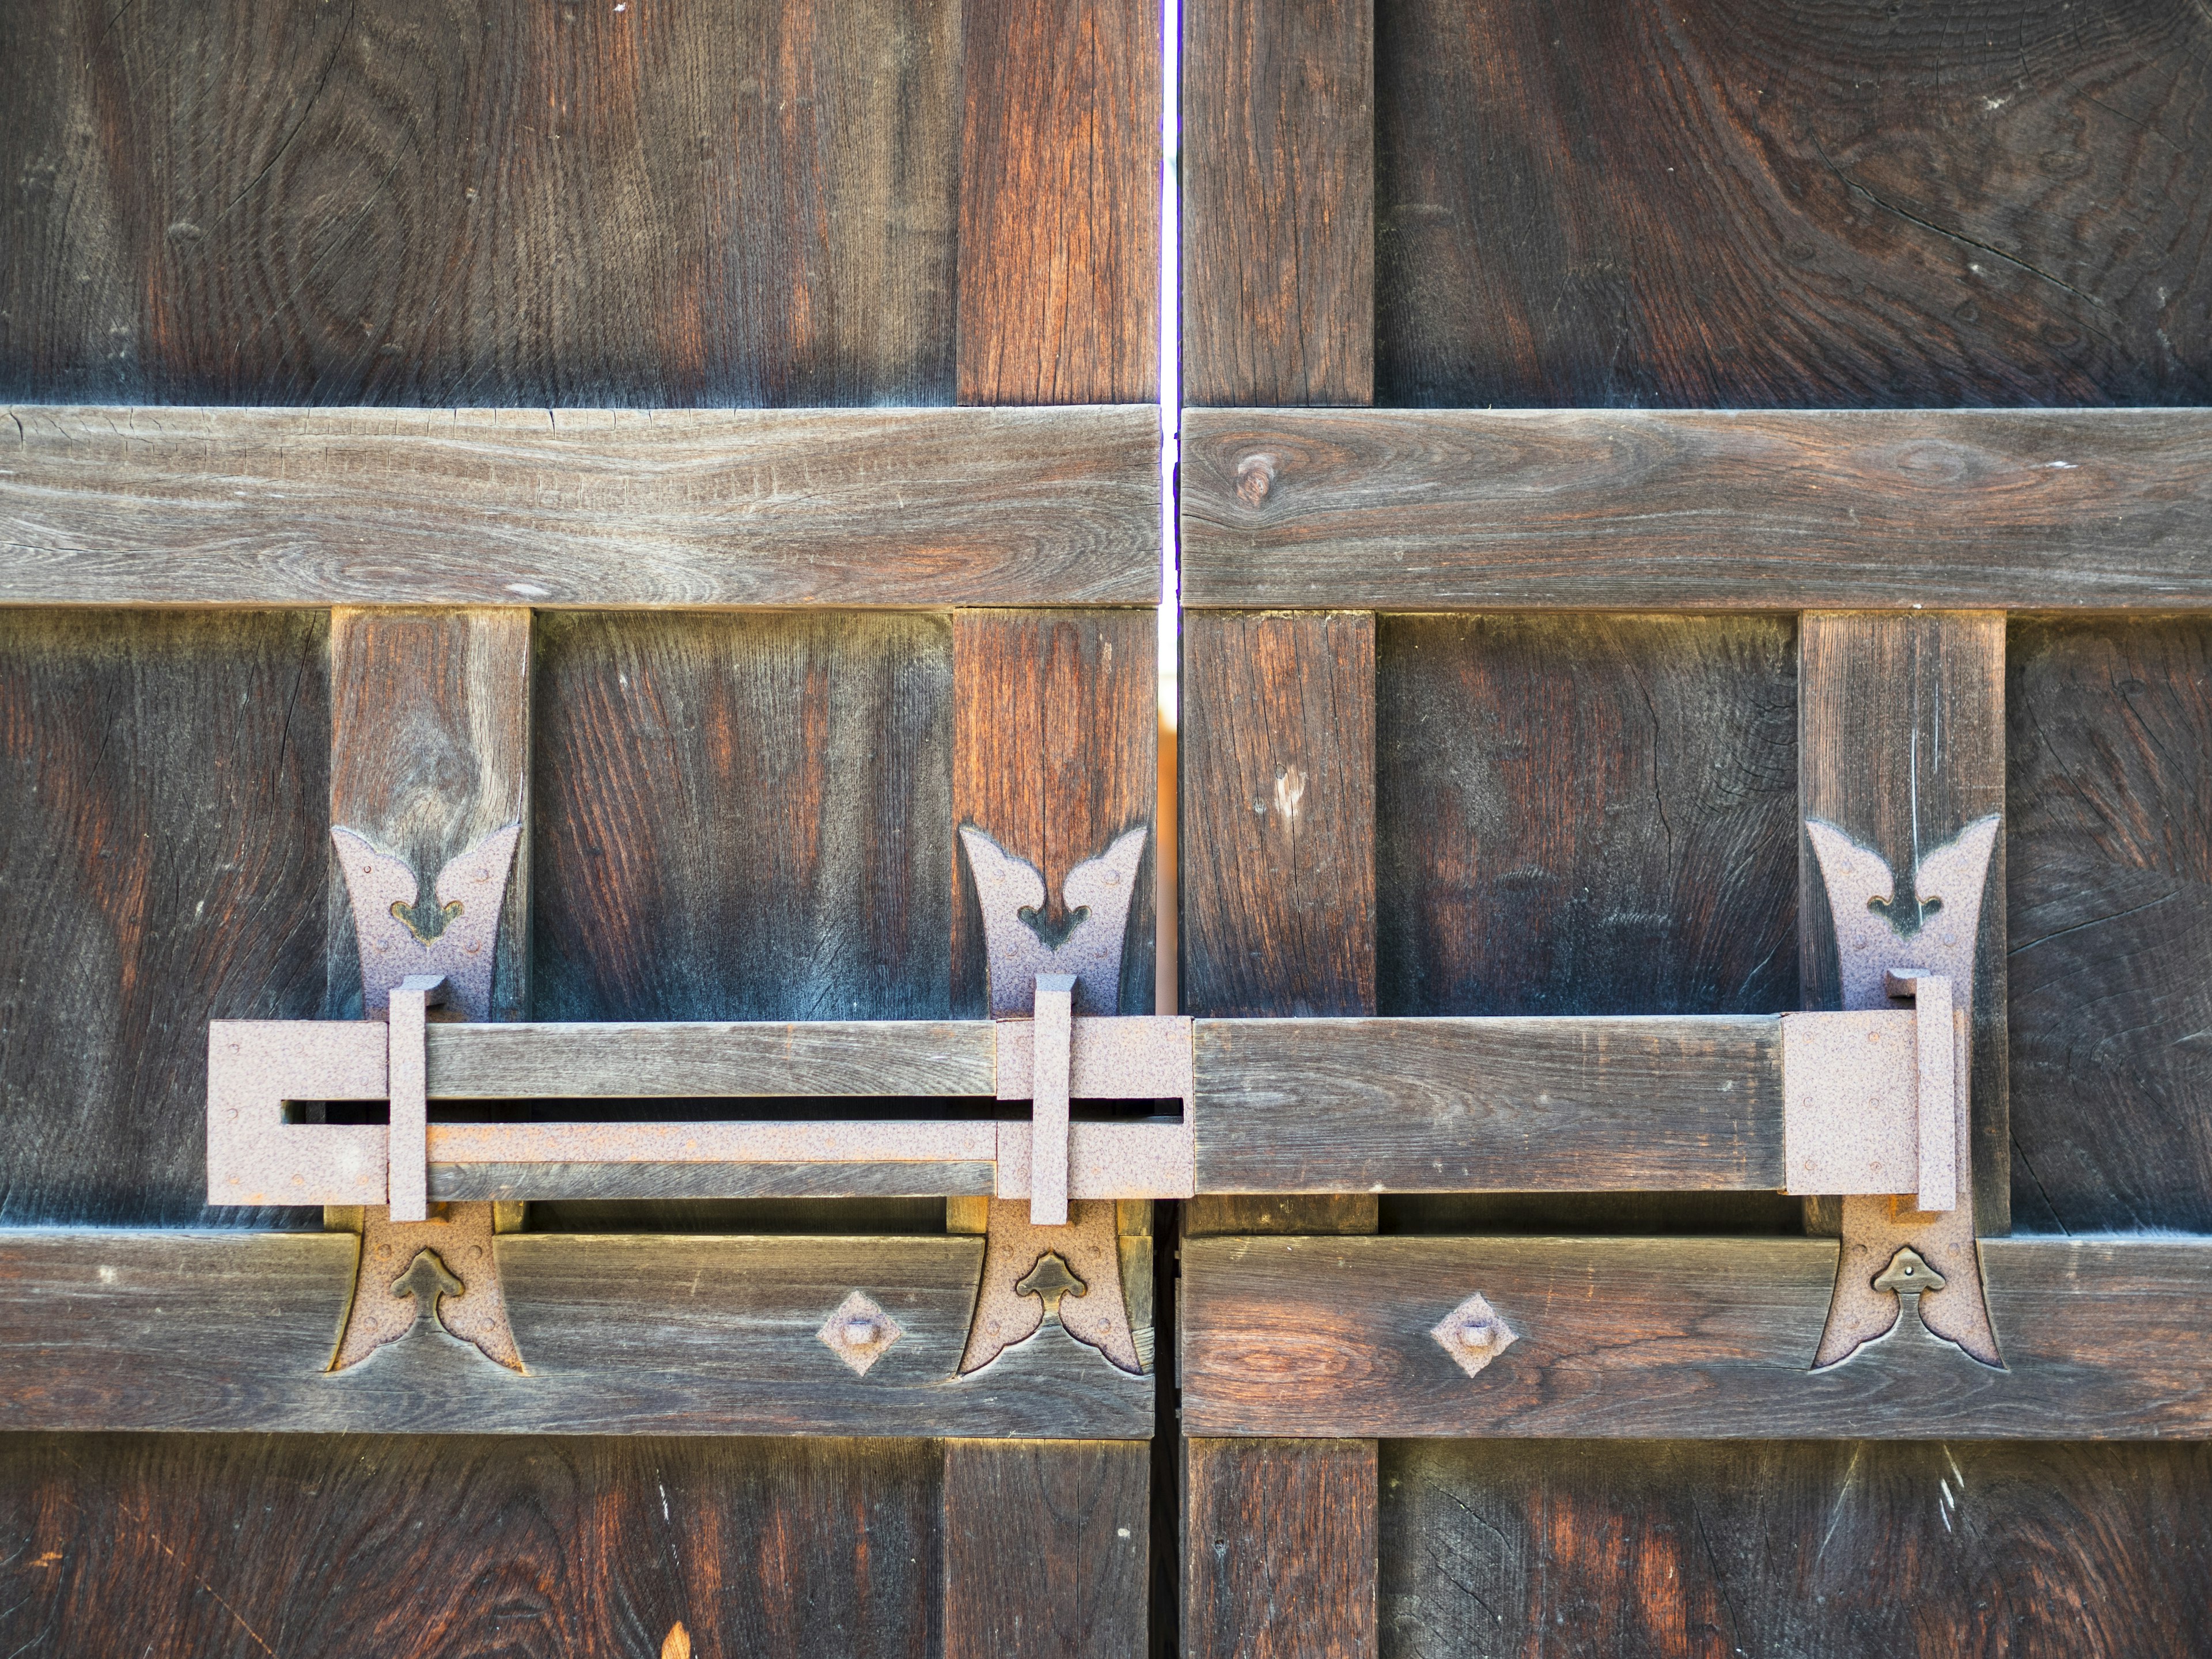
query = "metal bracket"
{"x": 460, "y": 944}
{"x": 1870, "y": 943}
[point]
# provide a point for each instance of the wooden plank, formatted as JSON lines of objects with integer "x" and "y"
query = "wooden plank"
{"x": 163, "y": 821}
{"x": 248, "y": 1545}
{"x": 1441, "y": 510}
{"x": 1054, "y": 754}
{"x": 1503, "y": 1105}
{"x": 429, "y": 754}
{"x": 1278, "y": 182}
{"x": 584, "y": 1060}
{"x": 581, "y": 508}
{"x": 743, "y": 817}
{"x": 620, "y": 1334}
{"x": 2109, "y": 756}
{"x": 1902, "y": 746}
{"x": 743, "y": 203}
{"x": 1060, "y": 196}
{"x": 1785, "y": 210}
{"x": 1045, "y": 1548}
{"x": 1278, "y": 806}
{"x": 1795, "y": 1550}
{"x": 1279, "y": 1551}
{"x": 1689, "y": 1338}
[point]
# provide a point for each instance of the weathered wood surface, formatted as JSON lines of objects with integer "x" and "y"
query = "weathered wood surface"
{"x": 2109, "y": 757}
{"x": 246, "y": 1546}
{"x": 1497, "y": 1105}
{"x": 1045, "y": 1548}
{"x": 639, "y": 1190}
{"x": 1682, "y": 1339}
{"x": 1060, "y": 200}
{"x": 1428, "y": 510}
{"x": 1279, "y": 195}
{"x": 1278, "y": 1550}
{"x": 579, "y": 509}
{"x": 633, "y": 1335}
{"x": 743, "y": 817}
{"x": 1797, "y": 1551}
{"x": 584, "y": 1059}
{"x": 429, "y": 754}
{"x": 163, "y": 821}
{"x": 1901, "y": 746}
{"x": 1724, "y": 205}
{"x": 1056, "y": 741}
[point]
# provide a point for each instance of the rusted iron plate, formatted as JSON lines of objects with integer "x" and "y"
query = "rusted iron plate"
{"x": 256, "y": 1066}
{"x": 458, "y": 938}
{"x": 1051, "y": 1044}
{"x": 407, "y": 1140}
{"x": 1136, "y": 1057}
{"x": 1107, "y": 1160}
{"x": 447, "y": 1261}
{"x": 1850, "y": 1111}
{"x": 1084, "y": 1296}
{"x": 1021, "y": 940}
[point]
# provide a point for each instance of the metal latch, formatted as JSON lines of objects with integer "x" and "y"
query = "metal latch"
{"x": 1870, "y": 1099}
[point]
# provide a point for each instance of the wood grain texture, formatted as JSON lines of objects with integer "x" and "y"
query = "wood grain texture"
{"x": 743, "y": 817}
{"x": 429, "y": 754}
{"x": 1901, "y": 746}
{"x": 620, "y": 1334}
{"x": 1441, "y": 510}
{"x": 1688, "y": 1339}
{"x": 1056, "y": 736}
{"x": 245, "y": 1547}
{"x": 1277, "y": 807}
{"x": 1279, "y": 202}
{"x": 1278, "y": 1550}
{"x": 735, "y": 202}
{"x": 1793, "y": 1550}
{"x": 1045, "y": 1549}
{"x": 1499, "y": 1105}
{"x": 163, "y": 817}
{"x": 588, "y": 508}
{"x": 2109, "y": 757}
{"x": 1059, "y": 198}
{"x": 1993, "y": 203}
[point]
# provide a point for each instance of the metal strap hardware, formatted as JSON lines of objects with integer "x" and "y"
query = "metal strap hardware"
{"x": 1870, "y": 1099}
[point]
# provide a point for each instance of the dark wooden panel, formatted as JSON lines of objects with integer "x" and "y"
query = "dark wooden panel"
{"x": 734, "y": 202}
{"x": 429, "y": 754}
{"x": 591, "y": 508}
{"x": 622, "y": 1334}
{"x": 1279, "y": 193}
{"x": 1056, "y": 753}
{"x": 2045, "y": 509}
{"x": 743, "y": 817}
{"x": 1060, "y": 194}
{"x": 242, "y": 1548}
{"x": 1279, "y": 1552}
{"x": 2109, "y": 753}
{"x": 1567, "y": 1105}
{"x": 1278, "y": 814}
{"x": 1727, "y": 203}
{"x": 1903, "y": 745}
{"x": 1045, "y": 1549}
{"x": 1794, "y": 1551}
{"x": 163, "y": 822}
{"x": 1689, "y": 1338}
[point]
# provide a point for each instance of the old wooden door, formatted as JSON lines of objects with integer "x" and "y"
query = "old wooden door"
{"x": 1519, "y": 696}
{"x": 409, "y": 443}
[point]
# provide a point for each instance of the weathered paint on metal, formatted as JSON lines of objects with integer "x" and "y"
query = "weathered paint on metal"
{"x": 1020, "y": 942}
{"x": 471, "y": 892}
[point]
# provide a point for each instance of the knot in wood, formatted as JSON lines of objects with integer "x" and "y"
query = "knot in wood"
{"x": 1255, "y": 477}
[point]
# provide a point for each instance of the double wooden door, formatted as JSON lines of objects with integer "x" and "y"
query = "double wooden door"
{"x": 699, "y": 464}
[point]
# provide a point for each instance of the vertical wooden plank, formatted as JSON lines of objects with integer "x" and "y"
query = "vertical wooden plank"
{"x": 429, "y": 754}
{"x": 1279, "y": 192}
{"x": 1059, "y": 198}
{"x": 1901, "y": 745}
{"x": 1045, "y": 1548}
{"x": 163, "y": 790}
{"x": 1278, "y": 896}
{"x": 1279, "y": 1557}
{"x": 1054, "y": 755}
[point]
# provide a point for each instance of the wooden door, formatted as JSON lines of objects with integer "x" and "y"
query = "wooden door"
{"x": 715, "y": 440}
{"x": 1620, "y": 437}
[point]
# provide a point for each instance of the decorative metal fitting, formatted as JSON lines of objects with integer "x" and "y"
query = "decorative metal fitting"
{"x": 447, "y": 1266}
{"x": 460, "y": 941}
{"x": 1473, "y": 1334}
{"x": 860, "y": 1333}
{"x": 1080, "y": 1288}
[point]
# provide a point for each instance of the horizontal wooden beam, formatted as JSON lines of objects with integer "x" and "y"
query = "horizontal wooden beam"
{"x": 921, "y": 508}
{"x": 582, "y": 1061}
{"x": 1680, "y": 1339}
{"x": 1489, "y": 1105}
{"x": 631, "y": 1334}
{"x": 1469, "y": 509}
